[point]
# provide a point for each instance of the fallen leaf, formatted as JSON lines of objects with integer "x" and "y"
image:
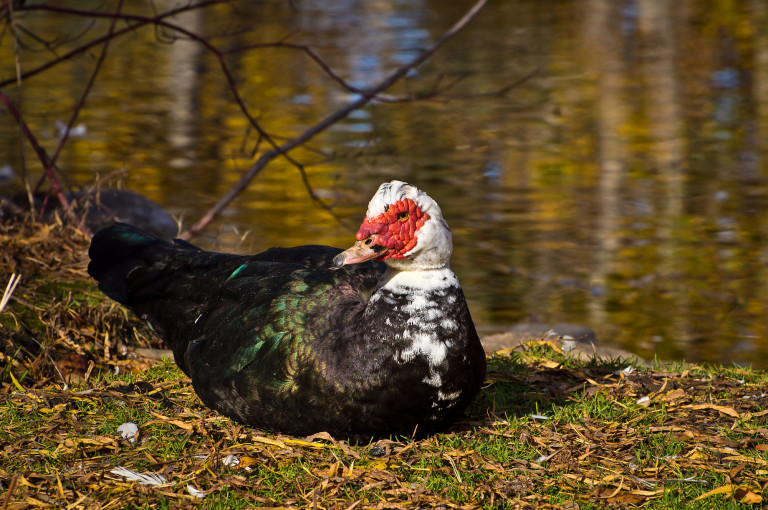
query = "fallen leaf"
{"x": 674, "y": 395}
{"x": 734, "y": 473}
{"x": 743, "y": 458}
{"x": 725, "y": 489}
{"x": 626, "y": 498}
{"x": 248, "y": 462}
{"x": 721, "y": 409}
{"x": 747, "y": 497}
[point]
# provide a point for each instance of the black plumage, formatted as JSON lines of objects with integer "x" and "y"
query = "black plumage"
{"x": 285, "y": 341}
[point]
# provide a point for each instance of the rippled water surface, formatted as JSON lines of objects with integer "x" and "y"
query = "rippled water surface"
{"x": 621, "y": 186}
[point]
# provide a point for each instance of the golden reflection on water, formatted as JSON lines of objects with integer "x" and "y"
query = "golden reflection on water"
{"x": 622, "y": 187}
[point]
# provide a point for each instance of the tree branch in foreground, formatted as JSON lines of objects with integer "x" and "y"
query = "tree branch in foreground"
{"x": 324, "y": 124}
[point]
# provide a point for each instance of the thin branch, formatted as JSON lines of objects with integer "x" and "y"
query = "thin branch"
{"x": 43, "y": 157}
{"x": 53, "y": 44}
{"x": 500, "y": 91}
{"x": 159, "y": 22}
{"x": 318, "y": 200}
{"x": 139, "y": 22}
{"x": 136, "y": 21}
{"x": 20, "y": 89}
{"x": 88, "y": 86}
{"x": 364, "y": 98}
{"x": 306, "y": 50}
{"x": 439, "y": 92}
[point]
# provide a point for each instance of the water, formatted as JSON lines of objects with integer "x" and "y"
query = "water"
{"x": 622, "y": 186}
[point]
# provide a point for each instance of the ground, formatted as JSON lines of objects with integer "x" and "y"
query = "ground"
{"x": 547, "y": 430}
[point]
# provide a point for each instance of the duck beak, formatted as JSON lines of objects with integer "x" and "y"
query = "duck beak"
{"x": 359, "y": 253}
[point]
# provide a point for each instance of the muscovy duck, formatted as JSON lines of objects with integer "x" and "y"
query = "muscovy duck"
{"x": 313, "y": 338}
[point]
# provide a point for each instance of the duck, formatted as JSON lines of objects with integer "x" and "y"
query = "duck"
{"x": 98, "y": 209}
{"x": 373, "y": 341}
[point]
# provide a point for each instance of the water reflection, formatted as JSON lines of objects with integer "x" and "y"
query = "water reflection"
{"x": 623, "y": 187}
{"x": 182, "y": 79}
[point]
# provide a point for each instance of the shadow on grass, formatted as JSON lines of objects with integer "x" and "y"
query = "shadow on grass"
{"x": 535, "y": 384}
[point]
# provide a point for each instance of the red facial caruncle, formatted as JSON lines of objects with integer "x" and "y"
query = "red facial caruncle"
{"x": 394, "y": 229}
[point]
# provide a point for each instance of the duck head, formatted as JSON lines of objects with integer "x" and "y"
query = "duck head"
{"x": 404, "y": 228}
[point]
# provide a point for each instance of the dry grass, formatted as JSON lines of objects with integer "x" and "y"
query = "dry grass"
{"x": 546, "y": 431}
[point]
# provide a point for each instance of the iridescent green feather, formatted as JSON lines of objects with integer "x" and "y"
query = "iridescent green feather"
{"x": 281, "y": 339}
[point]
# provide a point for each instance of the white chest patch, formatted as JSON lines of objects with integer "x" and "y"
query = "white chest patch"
{"x": 424, "y": 303}
{"x": 426, "y": 344}
{"x": 425, "y": 297}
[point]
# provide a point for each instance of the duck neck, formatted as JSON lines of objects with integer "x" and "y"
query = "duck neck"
{"x": 409, "y": 302}
{"x": 424, "y": 281}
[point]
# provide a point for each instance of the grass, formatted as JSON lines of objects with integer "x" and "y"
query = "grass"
{"x": 547, "y": 431}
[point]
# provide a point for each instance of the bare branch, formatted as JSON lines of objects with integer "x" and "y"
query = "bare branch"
{"x": 139, "y": 22}
{"x": 43, "y": 157}
{"x": 20, "y": 89}
{"x": 133, "y": 22}
{"x": 439, "y": 92}
{"x": 365, "y": 97}
{"x": 88, "y": 86}
{"x": 309, "y": 52}
{"x": 159, "y": 22}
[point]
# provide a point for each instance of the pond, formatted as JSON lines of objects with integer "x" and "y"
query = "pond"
{"x": 621, "y": 182}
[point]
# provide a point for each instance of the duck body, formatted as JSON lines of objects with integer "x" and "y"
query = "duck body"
{"x": 306, "y": 339}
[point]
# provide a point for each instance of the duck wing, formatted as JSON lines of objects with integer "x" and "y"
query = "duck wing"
{"x": 238, "y": 308}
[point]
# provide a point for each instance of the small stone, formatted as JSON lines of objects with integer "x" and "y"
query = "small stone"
{"x": 568, "y": 343}
{"x": 377, "y": 451}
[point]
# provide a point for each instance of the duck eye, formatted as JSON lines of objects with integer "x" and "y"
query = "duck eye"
{"x": 403, "y": 216}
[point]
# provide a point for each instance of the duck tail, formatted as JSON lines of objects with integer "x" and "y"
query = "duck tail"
{"x": 119, "y": 249}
